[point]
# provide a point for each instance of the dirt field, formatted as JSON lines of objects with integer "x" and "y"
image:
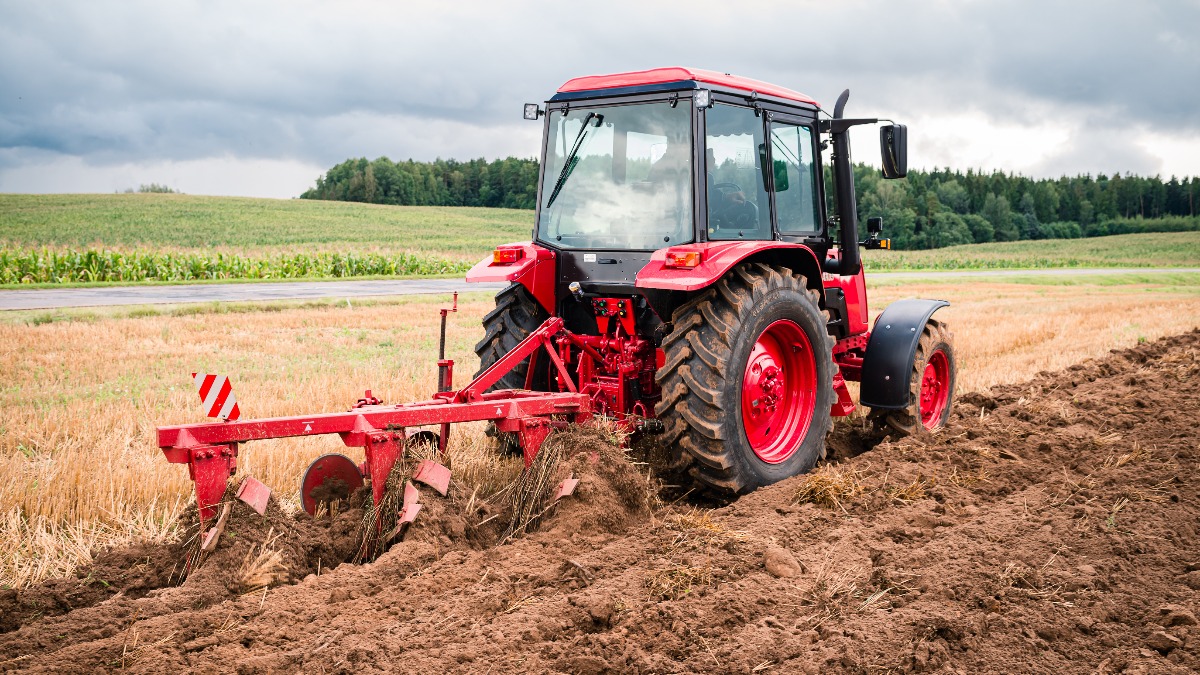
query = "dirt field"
{"x": 1050, "y": 528}
{"x": 67, "y": 487}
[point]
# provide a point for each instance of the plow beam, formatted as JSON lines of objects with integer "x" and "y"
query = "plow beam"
{"x": 210, "y": 450}
{"x": 362, "y": 422}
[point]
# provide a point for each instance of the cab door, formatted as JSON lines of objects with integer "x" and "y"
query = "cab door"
{"x": 793, "y": 175}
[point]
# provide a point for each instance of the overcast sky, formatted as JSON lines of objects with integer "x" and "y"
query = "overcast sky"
{"x": 259, "y": 98}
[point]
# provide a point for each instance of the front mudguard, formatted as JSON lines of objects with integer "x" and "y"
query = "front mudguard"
{"x": 890, "y": 353}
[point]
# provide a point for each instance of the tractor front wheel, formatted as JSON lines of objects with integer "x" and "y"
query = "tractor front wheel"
{"x": 747, "y": 383}
{"x": 930, "y": 386}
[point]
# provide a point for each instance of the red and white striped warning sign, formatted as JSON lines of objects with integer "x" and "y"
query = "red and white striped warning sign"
{"x": 217, "y": 394}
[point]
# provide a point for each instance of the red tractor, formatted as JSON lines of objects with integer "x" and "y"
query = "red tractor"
{"x": 682, "y": 236}
{"x": 686, "y": 277}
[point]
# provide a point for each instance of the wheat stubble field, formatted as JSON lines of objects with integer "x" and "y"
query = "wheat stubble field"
{"x": 83, "y": 392}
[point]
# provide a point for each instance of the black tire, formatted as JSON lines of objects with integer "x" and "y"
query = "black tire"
{"x": 936, "y": 337}
{"x": 707, "y": 352}
{"x": 516, "y": 315}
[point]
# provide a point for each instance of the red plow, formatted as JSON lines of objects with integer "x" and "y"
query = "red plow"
{"x": 383, "y": 430}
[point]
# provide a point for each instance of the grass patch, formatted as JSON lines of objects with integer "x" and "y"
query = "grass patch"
{"x": 1185, "y": 282}
{"x": 263, "y": 233}
{"x": 678, "y": 581}
{"x": 829, "y": 487}
{"x": 249, "y": 226}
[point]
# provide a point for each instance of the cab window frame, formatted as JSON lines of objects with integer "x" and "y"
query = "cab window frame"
{"x": 747, "y": 106}
{"x": 554, "y": 108}
{"x": 767, "y": 110}
{"x": 817, "y": 186}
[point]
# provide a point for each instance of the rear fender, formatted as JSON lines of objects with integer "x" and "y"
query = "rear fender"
{"x": 891, "y": 350}
{"x": 718, "y": 257}
{"x": 534, "y": 270}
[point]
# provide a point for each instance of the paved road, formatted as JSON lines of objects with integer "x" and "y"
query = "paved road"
{"x": 51, "y": 298}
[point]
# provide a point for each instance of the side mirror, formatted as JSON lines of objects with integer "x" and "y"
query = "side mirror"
{"x": 781, "y": 176}
{"x": 779, "y": 169}
{"x": 893, "y": 143}
{"x": 874, "y": 225}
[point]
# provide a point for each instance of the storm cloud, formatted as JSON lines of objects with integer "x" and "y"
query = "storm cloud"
{"x": 97, "y": 96}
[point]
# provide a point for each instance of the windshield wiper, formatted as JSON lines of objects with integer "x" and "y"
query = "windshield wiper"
{"x": 572, "y": 160}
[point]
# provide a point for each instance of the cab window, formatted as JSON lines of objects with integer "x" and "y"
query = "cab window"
{"x": 734, "y": 155}
{"x": 795, "y": 179}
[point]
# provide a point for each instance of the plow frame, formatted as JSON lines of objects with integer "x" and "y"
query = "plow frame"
{"x": 211, "y": 449}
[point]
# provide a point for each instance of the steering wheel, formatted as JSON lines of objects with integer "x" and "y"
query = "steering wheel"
{"x": 732, "y": 214}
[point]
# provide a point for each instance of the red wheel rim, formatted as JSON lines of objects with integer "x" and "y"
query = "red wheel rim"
{"x": 779, "y": 391}
{"x": 935, "y": 389}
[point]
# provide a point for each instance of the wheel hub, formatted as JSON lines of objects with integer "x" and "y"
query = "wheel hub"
{"x": 779, "y": 391}
{"x": 935, "y": 389}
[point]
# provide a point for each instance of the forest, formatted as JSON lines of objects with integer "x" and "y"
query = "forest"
{"x": 928, "y": 209}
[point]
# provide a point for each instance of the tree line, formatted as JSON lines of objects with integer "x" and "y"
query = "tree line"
{"x": 503, "y": 183}
{"x": 928, "y": 209}
{"x": 931, "y": 209}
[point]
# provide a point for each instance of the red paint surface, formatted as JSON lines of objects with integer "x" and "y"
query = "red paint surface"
{"x": 534, "y": 271}
{"x": 855, "y": 288}
{"x": 779, "y": 391}
{"x": 679, "y": 74}
{"x": 717, "y": 258}
{"x": 935, "y": 389}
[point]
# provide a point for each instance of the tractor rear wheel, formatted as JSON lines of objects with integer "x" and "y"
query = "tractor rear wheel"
{"x": 748, "y": 381}
{"x": 516, "y": 315}
{"x": 930, "y": 385}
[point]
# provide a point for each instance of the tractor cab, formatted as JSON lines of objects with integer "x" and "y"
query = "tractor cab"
{"x": 650, "y": 172}
{"x": 645, "y": 161}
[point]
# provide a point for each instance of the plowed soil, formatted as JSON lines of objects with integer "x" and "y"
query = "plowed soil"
{"x": 1052, "y": 527}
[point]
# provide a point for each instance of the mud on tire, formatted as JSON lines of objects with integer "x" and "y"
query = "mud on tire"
{"x": 708, "y": 356}
{"x": 516, "y": 315}
{"x": 936, "y": 337}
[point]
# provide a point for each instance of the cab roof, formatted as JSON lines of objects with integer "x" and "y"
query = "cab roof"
{"x": 677, "y": 75}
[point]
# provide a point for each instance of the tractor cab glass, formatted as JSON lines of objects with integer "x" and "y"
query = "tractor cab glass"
{"x": 618, "y": 177}
{"x": 738, "y": 188}
{"x": 737, "y": 191}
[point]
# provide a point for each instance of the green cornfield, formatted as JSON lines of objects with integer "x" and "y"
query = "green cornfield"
{"x": 32, "y": 266}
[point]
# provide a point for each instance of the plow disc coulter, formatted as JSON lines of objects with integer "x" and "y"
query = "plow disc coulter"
{"x": 685, "y": 279}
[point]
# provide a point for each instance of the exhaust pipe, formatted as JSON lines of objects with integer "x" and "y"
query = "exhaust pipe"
{"x": 843, "y": 177}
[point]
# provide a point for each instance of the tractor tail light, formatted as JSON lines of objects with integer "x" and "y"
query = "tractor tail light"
{"x": 506, "y": 256}
{"x": 688, "y": 259}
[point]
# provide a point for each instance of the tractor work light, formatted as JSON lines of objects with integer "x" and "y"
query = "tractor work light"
{"x": 685, "y": 259}
{"x": 506, "y": 256}
{"x": 702, "y": 98}
{"x": 532, "y": 111}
